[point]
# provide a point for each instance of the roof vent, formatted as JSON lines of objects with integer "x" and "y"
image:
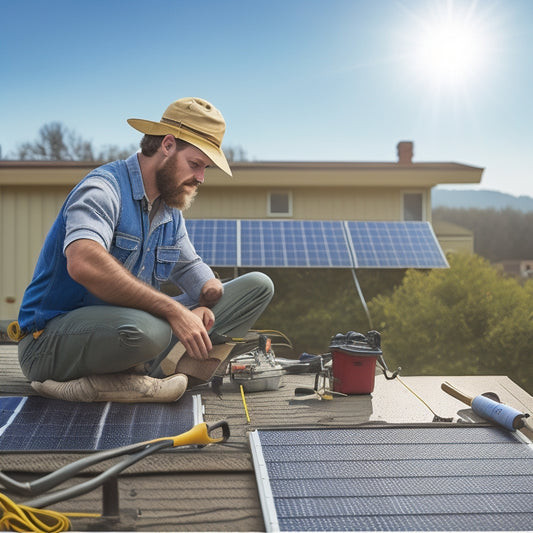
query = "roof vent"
{"x": 405, "y": 151}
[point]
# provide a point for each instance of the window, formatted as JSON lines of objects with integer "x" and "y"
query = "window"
{"x": 413, "y": 206}
{"x": 279, "y": 204}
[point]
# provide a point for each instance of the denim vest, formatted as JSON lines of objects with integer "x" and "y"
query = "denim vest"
{"x": 149, "y": 253}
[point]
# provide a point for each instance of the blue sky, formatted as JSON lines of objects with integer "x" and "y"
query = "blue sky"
{"x": 297, "y": 80}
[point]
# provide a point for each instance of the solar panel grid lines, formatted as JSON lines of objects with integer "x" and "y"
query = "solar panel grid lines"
{"x": 215, "y": 240}
{"x": 316, "y": 243}
{"x": 396, "y": 478}
{"x": 42, "y": 424}
{"x": 378, "y": 244}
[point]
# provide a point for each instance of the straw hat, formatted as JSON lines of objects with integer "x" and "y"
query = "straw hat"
{"x": 193, "y": 120}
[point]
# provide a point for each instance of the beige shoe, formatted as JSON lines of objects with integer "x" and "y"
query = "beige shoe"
{"x": 124, "y": 388}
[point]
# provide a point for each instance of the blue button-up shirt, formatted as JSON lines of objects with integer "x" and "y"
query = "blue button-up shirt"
{"x": 109, "y": 206}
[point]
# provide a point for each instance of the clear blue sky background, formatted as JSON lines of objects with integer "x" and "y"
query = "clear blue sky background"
{"x": 297, "y": 80}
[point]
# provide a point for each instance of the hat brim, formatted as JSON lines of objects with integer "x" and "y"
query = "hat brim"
{"x": 214, "y": 153}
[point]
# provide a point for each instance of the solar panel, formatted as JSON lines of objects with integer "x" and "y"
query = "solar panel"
{"x": 294, "y": 243}
{"x": 316, "y": 243}
{"x": 215, "y": 240}
{"x": 395, "y": 245}
{"x": 43, "y": 424}
{"x": 395, "y": 478}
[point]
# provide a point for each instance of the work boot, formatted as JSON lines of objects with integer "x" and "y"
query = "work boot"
{"x": 124, "y": 388}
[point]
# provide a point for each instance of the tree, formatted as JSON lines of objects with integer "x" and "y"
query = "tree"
{"x": 56, "y": 142}
{"x": 235, "y": 153}
{"x": 112, "y": 152}
{"x": 312, "y": 305}
{"x": 498, "y": 234}
{"x": 468, "y": 319}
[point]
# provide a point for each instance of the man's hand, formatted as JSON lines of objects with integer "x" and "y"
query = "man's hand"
{"x": 191, "y": 329}
{"x": 211, "y": 293}
{"x": 93, "y": 267}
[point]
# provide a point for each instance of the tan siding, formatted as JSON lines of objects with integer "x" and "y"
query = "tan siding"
{"x": 456, "y": 245}
{"x": 346, "y": 204}
{"x": 339, "y": 203}
{"x": 224, "y": 203}
{"x": 26, "y": 215}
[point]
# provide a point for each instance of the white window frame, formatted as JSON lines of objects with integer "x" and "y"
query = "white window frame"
{"x": 269, "y": 204}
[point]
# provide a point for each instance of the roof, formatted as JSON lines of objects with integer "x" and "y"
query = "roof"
{"x": 214, "y": 488}
{"x": 444, "y": 228}
{"x": 269, "y": 173}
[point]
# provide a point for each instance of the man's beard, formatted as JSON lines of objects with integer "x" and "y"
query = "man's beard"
{"x": 174, "y": 196}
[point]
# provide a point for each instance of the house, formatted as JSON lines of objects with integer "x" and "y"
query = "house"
{"x": 415, "y": 457}
{"x": 519, "y": 268}
{"x": 31, "y": 193}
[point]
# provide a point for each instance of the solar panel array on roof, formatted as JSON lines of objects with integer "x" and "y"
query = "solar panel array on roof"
{"x": 429, "y": 478}
{"x": 316, "y": 243}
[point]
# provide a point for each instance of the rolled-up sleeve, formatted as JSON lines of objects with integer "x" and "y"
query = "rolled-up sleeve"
{"x": 190, "y": 272}
{"x": 92, "y": 212}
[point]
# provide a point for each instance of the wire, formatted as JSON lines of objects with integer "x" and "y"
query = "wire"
{"x": 15, "y": 517}
{"x": 244, "y": 404}
{"x": 437, "y": 417}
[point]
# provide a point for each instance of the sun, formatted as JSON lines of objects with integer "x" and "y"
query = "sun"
{"x": 450, "y": 53}
{"x": 450, "y": 46}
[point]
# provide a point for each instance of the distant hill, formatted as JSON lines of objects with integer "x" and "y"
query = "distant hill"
{"x": 480, "y": 200}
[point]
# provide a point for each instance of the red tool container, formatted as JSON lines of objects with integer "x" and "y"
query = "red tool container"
{"x": 354, "y": 362}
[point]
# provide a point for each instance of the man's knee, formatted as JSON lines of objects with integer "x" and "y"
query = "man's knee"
{"x": 151, "y": 338}
{"x": 258, "y": 281}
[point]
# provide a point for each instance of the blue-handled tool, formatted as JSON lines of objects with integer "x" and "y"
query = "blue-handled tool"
{"x": 489, "y": 408}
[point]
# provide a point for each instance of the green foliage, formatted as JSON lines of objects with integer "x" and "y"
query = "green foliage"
{"x": 468, "y": 319}
{"x": 312, "y": 305}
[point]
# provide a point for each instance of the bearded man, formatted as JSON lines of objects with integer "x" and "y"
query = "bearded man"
{"x": 94, "y": 324}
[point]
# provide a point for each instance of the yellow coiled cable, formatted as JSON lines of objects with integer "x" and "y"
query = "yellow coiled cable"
{"x": 15, "y": 517}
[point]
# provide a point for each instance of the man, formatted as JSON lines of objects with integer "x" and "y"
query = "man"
{"x": 93, "y": 324}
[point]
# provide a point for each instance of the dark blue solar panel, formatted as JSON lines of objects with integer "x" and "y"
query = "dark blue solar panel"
{"x": 215, "y": 240}
{"x": 294, "y": 243}
{"x": 395, "y": 245}
{"x": 42, "y": 424}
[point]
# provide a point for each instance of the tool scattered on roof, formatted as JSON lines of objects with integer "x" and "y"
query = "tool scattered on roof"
{"x": 201, "y": 435}
{"x": 257, "y": 370}
{"x": 488, "y": 406}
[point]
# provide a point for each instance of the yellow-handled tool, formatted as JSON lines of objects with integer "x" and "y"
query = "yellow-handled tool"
{"x": 201, "y": 434}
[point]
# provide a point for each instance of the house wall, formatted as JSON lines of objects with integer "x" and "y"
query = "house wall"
{"x": 311, "y": 203}
{"x": 26, "y": 215}
{"x": 31, "y": 194}
{"x": 456, "y": 245}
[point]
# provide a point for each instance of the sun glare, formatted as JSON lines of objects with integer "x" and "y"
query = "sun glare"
{"x": 451, "y": 47}
{"x": 450, "y": 53}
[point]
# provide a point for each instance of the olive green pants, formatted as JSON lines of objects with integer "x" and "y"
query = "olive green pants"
{"x": 104, "y": 339}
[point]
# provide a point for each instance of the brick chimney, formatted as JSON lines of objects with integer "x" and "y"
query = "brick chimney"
{"x": 405, "y": 152}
